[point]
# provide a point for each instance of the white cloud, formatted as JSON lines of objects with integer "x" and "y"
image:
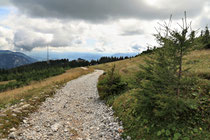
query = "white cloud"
{"x": 31, "y": 33}
{"x": 127, "y": 33}
{"x": 6, "y": 38}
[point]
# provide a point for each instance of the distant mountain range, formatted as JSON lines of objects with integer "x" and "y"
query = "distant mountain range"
{"x": 41, "y": 56}
{"x": 9, "y": 59}
{"x": 124, "y": 54}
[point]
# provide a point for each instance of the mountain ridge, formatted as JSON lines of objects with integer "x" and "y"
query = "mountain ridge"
{"x": 11, "y": 59}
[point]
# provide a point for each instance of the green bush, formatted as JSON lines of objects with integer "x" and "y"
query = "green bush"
{"x": 111, "y": 84}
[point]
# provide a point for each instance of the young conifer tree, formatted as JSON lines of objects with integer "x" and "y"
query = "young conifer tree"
{"x": 162, "y": 80}
{"x": 206, "y": 38}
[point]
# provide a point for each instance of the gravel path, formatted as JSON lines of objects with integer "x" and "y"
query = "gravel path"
{"x": 75, "y": 112}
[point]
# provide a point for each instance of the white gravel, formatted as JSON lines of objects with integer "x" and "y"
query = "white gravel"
{"x": 75, "y": 112}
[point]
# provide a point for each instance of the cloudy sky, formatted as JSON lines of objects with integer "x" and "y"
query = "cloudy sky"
{"x": 107, "y": 26}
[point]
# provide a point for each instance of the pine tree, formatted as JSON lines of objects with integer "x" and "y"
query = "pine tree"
{"x": 164, "y": 85}
{"x": 206, "y": 38}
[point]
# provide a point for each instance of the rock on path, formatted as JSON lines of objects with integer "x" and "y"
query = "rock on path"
{"x": 75, "y": 112}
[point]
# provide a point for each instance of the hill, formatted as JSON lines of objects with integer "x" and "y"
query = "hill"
{"x": 126, "y": 104}
{"x": 11, "y": 59}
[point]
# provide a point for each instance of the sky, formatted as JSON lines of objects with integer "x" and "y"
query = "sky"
{"x": 96, "y": 26}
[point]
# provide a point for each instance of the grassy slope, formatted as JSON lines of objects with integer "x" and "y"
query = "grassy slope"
{"x": 33, "y": 94}
{"x": 126, "y": 68}
{"x": 198, "y": 61}
{"x": 124, "y": 105}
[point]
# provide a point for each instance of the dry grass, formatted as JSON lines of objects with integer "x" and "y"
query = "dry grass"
{"x": 127, "y": 67}
{"x": 13, "y": 96}
{"x": 198, "y": 61}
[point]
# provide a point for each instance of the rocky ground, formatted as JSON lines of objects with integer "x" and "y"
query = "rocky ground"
{"x": 75, "y": 112}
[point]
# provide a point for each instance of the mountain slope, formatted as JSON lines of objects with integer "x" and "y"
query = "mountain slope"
{"x": 11, "y": 59}
{"x": 126, "y": 105}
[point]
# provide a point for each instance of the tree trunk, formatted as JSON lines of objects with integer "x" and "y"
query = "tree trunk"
{"x": 180, "y": 71}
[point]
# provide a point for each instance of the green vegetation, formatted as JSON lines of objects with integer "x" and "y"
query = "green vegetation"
{"x": 205, "y": 38}
{"x": 38, "y": 71}
{"x": 111, "y": 84}
{"x": 24, "y": 78}
{"x": 203, "y": 41}
{"x": 168, "y": 95}
{"x": 24, "y": 75}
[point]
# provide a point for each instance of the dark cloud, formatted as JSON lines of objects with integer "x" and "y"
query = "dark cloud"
{"x": 100, "y": 10}
{"x": 78, "y": 42}
{"x": 132, "y": 32}
{"x": 28, "y": 40}
{"x": 137, "y": 48}
{"x": 99, "y": 49}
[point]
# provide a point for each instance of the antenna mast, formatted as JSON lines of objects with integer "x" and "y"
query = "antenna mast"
{"x": 48, "y": 55}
